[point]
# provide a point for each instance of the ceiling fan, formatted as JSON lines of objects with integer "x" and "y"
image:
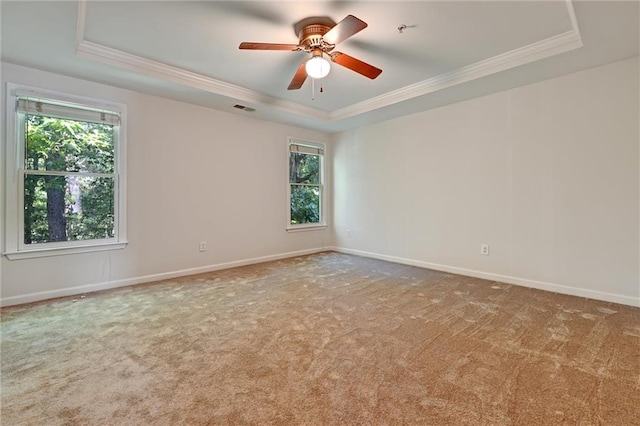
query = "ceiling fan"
{"x": 319, "y": 36}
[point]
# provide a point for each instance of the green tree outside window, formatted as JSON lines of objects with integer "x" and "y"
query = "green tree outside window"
{"x": 68, "y": 181}
{"x": 306, "y": 191}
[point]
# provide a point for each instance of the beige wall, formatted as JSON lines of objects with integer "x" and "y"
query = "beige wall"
{"x": 193, "y": 174}
{"x": 547, "y": 174}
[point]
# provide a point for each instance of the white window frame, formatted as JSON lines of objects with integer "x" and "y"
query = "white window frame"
{"x": 323, "y": 185}
{"x": 14, "y": 247}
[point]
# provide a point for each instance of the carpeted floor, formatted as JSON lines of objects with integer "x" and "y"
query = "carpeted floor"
{"x": 323, "y": 339}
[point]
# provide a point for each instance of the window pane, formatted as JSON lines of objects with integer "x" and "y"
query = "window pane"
{"x": 304, "y": 168}
{"x": 67, "y": 208}
{"x": 305, "y": 204}
{"x": 68, "y": 145}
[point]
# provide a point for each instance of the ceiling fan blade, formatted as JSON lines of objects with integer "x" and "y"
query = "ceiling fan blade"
{"x": 355, "y": 65}
{"x": 298, "y": 80}
{"x": 344, "y": 29}
{"x": 268, "y": 46}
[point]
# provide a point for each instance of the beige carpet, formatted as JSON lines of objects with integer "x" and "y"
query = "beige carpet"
{"x": 323, "y": 339}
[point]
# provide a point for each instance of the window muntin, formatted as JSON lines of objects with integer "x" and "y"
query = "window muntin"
{"x": 306, "y": 186}
{"x": 66, "y": 187}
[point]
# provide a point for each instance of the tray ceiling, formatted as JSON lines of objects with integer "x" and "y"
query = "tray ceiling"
{"x": 189, "y": 50}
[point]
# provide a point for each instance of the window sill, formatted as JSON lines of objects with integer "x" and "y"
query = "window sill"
{"x": 47, "y": 252}
{"x": 303, "y": 228}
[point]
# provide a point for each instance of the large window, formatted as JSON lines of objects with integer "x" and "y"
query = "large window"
{"x": 306, "y": 185}
{"x": 65, "y": 188}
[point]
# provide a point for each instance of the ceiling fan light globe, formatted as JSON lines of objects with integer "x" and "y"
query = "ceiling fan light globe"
{"x": 317, "y": 67}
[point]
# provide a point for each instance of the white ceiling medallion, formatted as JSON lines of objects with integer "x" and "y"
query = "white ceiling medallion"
{"x": 536, "y": 51}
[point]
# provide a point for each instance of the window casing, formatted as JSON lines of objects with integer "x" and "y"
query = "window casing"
{"x": 65, "y": 174}
{"x": 306, "y": 186}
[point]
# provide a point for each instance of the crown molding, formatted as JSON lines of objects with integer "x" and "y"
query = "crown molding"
{"x": 536, "y": 51}
{"x": 546, "y": 48}
{"x": 138, "y": 64}
{"x": 81, "y": 22}
{"x": 124, "y": 60}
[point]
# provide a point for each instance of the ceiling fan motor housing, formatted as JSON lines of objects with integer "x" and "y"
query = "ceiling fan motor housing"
{"x": 311, "y": 38}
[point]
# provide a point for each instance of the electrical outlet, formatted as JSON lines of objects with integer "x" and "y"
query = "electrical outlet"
{"x": 203, "y": 246}
{"x": 348, "y": 233}
{"x": 484, "y": 249}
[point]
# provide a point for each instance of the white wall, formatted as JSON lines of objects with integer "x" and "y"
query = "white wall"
{"x": 547, "y": 174}
{"x": 193, "y": 174}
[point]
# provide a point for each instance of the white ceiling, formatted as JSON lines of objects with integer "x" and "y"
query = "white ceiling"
{"x": 451, "y": 50}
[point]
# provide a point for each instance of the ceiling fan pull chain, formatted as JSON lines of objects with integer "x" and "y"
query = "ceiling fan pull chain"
{"x": 313, "y": 89}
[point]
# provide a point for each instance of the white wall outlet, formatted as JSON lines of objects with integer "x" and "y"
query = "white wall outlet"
{"x": 203, "y": 246}
{"x": 484, "y": 249}
{"x": 348, "y": 233}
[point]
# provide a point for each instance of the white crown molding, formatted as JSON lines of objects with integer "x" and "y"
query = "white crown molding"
{"x": 81, "y": 22}
{"x": 128, "y": 61}
{"x": 124, "y": 60}
{"x": 536, "y": 51}
{"x": 572, "y": 17}
{"x": 551, "y": 46}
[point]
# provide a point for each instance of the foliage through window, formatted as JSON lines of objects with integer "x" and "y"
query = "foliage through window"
{"x": 68, "y": 180}
{"x": 306, "y": 183}
{"x": 67, "y": 175}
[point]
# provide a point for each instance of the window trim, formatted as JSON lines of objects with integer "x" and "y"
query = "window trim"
{"x": 14, "y": 247}
{"x": 323, "y": 186}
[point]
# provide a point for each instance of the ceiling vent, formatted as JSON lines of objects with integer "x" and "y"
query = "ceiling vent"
{"x": 244, "y": 108}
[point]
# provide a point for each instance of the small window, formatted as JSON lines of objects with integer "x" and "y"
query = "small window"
{"x": 65, "y": 190}
{"x": 306, "y": 184}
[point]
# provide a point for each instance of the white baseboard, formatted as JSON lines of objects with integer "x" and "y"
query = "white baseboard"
{"x": 71, "y": 291}
{"x": 540, "y": 285}
{"x": 557, "y": 288}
